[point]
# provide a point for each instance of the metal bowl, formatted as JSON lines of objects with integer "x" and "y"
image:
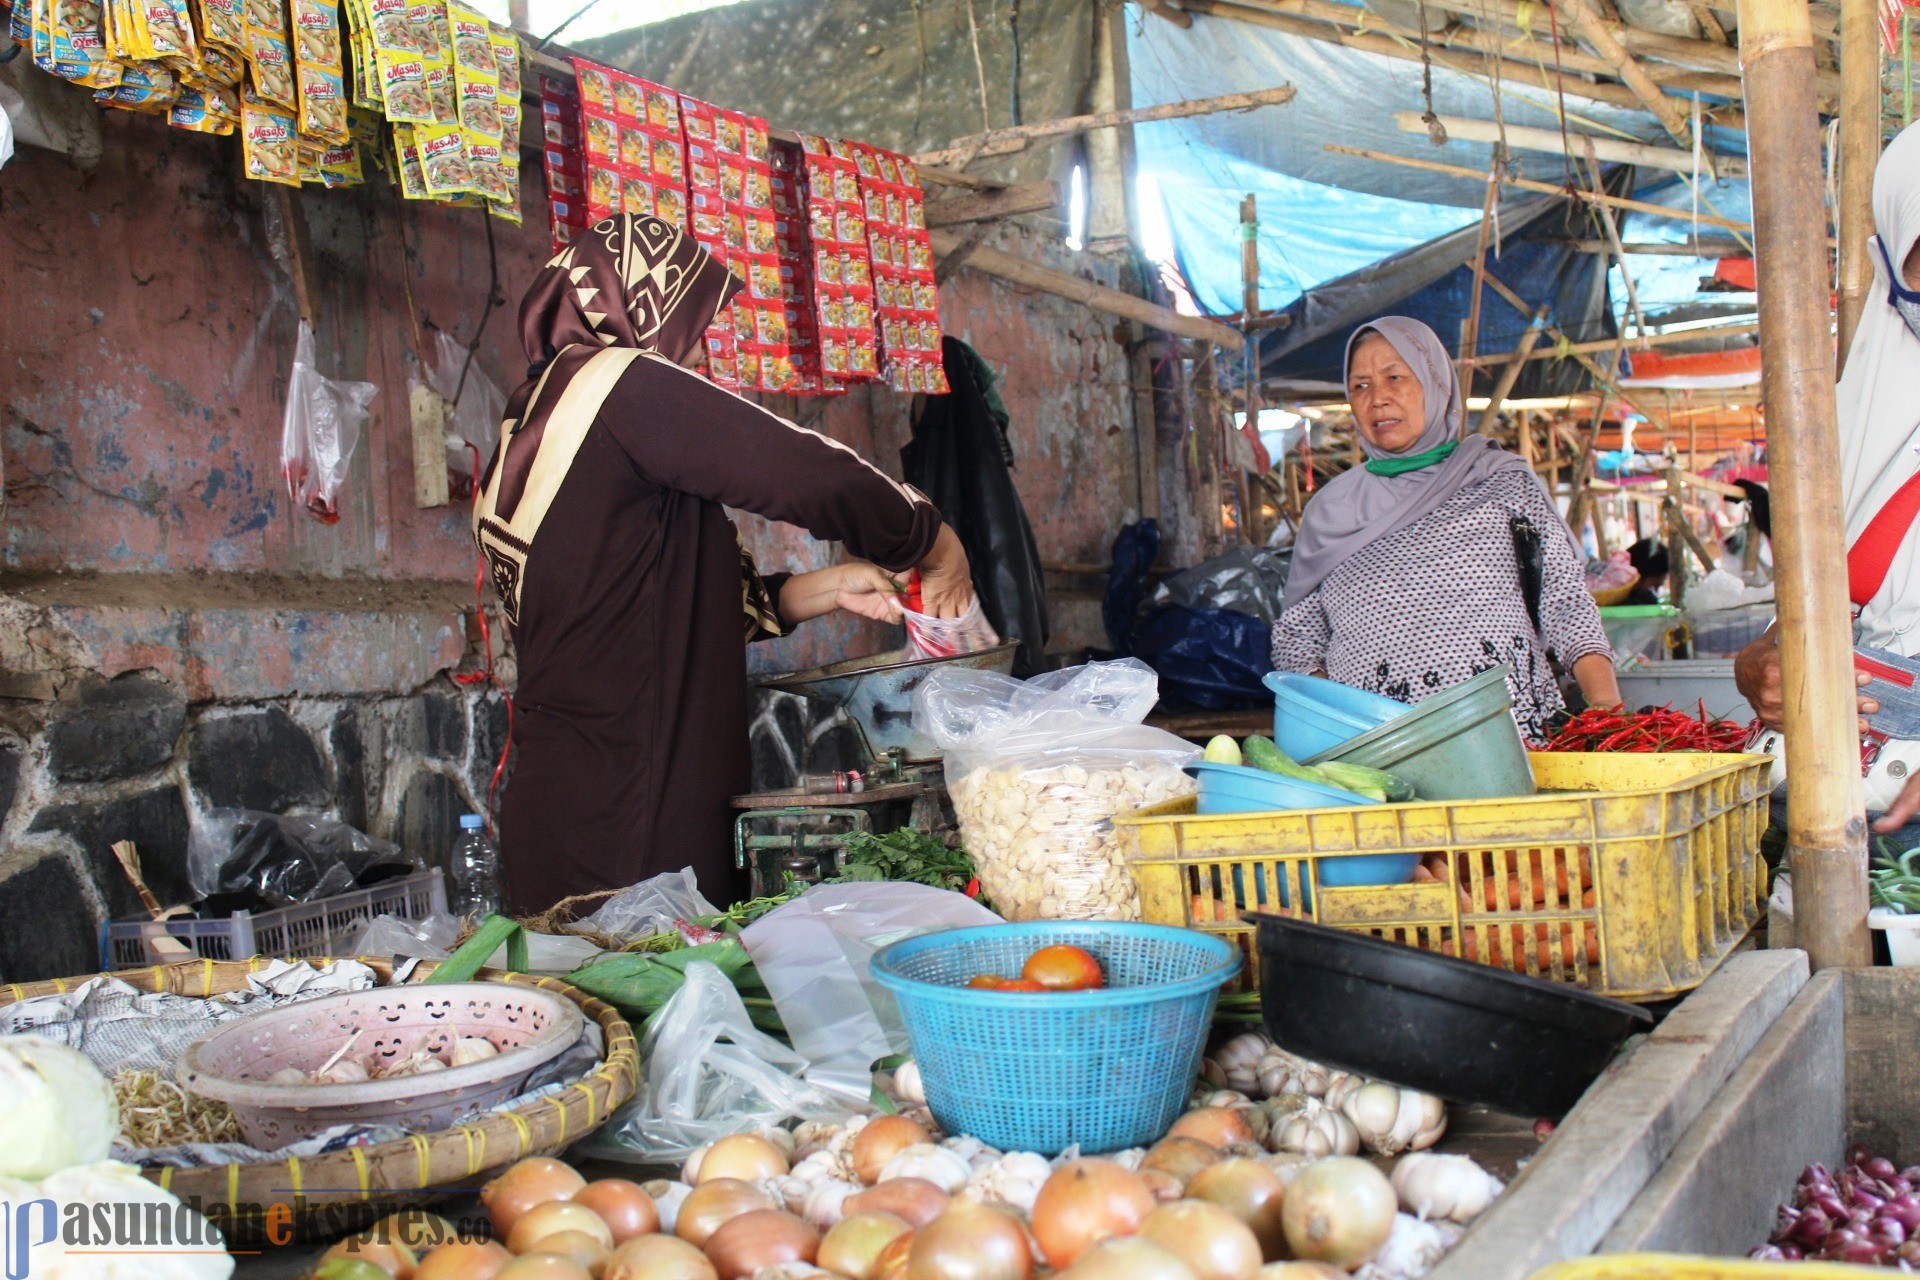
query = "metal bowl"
{"x": 877, "y": 693}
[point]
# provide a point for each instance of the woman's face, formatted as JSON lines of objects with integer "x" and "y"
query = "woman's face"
{"x": 1386, "y": 398}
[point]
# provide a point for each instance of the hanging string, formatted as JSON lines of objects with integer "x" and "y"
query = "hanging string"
{"x": 1436, "y": 132}
{"x": 1560, "y": 93}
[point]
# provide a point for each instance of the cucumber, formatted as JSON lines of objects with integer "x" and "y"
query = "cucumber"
{"x": 1360, "y": 778}
{"x": 1223, "y": 750}
{"x": 1261, "y": 753}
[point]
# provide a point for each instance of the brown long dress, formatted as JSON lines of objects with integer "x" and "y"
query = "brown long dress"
{"x": 627, "y": 607}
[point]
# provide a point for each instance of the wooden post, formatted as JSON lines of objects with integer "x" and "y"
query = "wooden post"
{"x": 1859, "y": 154}
{"x": 1470, "y": 332}
{"x": 1111, "y": 218}
{"x": 1826, "y": 825}
{"x": 1510, "y": 375}
{"x": 1146, "y": 424}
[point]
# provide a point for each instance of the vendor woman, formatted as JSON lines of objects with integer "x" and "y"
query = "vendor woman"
{"x": 1405, "y": 578}
{"x": 602, "y": 518}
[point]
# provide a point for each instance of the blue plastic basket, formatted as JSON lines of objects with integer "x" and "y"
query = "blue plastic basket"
{"x": 1027, "y": 1071}
{"x": 1312, "y": 715}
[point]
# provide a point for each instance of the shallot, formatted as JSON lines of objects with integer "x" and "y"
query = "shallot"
{"x": 1868, "y": 1212}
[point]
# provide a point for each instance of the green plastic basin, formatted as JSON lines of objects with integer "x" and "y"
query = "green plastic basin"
{"x": 1460, "y": 744}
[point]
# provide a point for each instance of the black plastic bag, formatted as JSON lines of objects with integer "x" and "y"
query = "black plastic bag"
{"x": 282, "y": 859}
{"x": 1211, "y": 658}
{"x": 1134, "y": 551}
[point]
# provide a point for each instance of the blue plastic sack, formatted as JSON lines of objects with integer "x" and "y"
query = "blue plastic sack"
{"x": 1211, "y": 658}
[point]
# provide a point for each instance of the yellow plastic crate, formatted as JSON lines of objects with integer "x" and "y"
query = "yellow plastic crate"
{"x": 1676, "y": 1266}
{"x": 1629, "y": 875}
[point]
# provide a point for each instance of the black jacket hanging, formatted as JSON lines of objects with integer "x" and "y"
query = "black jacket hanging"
{"x": 960, "y": 458}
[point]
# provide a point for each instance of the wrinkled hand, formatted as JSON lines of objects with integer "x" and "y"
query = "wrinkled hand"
{"x": 1904, "y": 806}
{"x": 867, "y": 590}
{"x": 1756, "y": 672}
{"x": 946, "y": 579}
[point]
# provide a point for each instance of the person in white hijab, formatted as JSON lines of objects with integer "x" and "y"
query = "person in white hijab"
{"x": 1879, "y": 415}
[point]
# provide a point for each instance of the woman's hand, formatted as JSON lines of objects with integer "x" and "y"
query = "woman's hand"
{"x": 1595, "y": 676}
{"x": 946, "y": 579}
{"x": 867, "y": 589}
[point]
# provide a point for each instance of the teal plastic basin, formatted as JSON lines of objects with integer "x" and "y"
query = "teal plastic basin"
{"x": 1312, "y": 714}
{"x": 1460, "y": 744}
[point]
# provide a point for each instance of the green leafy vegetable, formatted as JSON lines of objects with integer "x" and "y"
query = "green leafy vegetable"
{"x": 1894, "y": 882}
{"x": 910, "y": 856}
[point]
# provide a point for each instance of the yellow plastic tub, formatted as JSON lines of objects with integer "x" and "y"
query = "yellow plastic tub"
{"x": 1677, "y": 1266}
{"x": 1629, "y": 875}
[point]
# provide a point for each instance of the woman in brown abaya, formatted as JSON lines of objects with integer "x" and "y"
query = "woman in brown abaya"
{"x": 602, "y": 519}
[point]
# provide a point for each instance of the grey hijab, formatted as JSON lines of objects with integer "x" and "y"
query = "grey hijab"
{"x": 1357, "y": 507}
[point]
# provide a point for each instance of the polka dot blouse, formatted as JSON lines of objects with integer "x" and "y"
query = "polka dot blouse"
{"x": 1439, "y": 603}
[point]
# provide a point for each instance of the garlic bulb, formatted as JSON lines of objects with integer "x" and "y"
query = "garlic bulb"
{"x": 1014, "y": 1180}
{"x": 690, "y": 1171}
{"x": 907, "y": 1085}
{"x": 810, "y": 1136}
{"x": 468, "y": 1049}
{"x": 1213, "y": 1073}
{"x": 937, "y": 1165}
{"x": 816, "y": 1168}
{"x": 826, "y": 1204}
{"x": 1450, "y": 1187}
{"x": 288, "y": 1075}
{"x": 1411, "y": 1249}
{"x": 428, "y": 1064}
{"x": 792, "y": 1271}
{"x": 1318, "y": 1130}
{"x": 782, "y": 1139}
{"x": 345, "y": 1071}
{"x": 1258, "y": 1119}
{"x": 667, "y": 1198}
{"x": 1281, "y": 1072}
{"x": 787, "y": 1192}
{"x": 1223, "y": 1098}
{"x": 1239, "y": 1060}
{"x": 1341, "y": 1086}
{"x": 1391, "y": 1119}
{"x": 971, "y": 1149}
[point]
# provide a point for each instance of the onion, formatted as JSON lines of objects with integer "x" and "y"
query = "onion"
{"x": 1181, "y": 1158}
{"x": 764, "y": 1238}
{"x": 556, "y": 1216}
{"x": 1127, "y": 1259}
{"x": 658, "y": 1258}
{"x": 543, "y": 1266}
{"x": 578, "y": 1247}
{"x": 880, "y": 1140}
{"x": 391, "y": 1257}
{"x": 970, "y": 1242}
{"x": 914, "y": 1199}
{"x": 742, "y": 1156}
{"x": 1339, "y": 1211}
{"x": 1165, "y": 1187}
{"x": 892, "y": 1262}
{"x": 624, "y": 1206}
{"x": 1299, "y": 1271}
{"x": 479, "y": 1260}
{"x": 526, "y": 1184}
{"x": 1085, "y": 1202}
{"x": 415, "y": 1228}
{"x": 710, "y": 1204}
{"x": 1215, "y": 1126}
{"x": 854, "y": 1246}
{"x": 1211, "y": 1241}
{"x": 1251, "y": 1192}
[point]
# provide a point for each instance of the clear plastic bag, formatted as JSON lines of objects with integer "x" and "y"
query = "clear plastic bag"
{"x": 651, "y": 906}
{"x": 1039, "y": 768}
{"x": 813, "y": 954}
{"x": 283, "y": 858}
{"x": 318, "y": 434}
{"x": 709, "y": 1072}
{"x": 473, "y": 418}
{"x": 950, "y": 637}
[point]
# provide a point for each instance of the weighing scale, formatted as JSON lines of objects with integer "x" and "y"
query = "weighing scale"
{"x": 798, "y": 836}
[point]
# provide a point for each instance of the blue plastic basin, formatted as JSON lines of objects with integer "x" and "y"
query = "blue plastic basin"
{"x": 1312, "y": 715}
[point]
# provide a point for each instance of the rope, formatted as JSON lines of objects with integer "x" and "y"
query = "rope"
{"x": 1436, "y": 132}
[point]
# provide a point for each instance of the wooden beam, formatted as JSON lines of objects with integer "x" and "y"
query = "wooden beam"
{"x": 1859, "y": 156}
{"x": 1006, "y": 266}
{"x": 950, "y": 262}
{"x": 935, "y": 175}
{"x": 1470, "y": 330}
{"x": 1510, "y": 375}
{"x": 1684, "y": 249}
{"x": 986, "y": 206}
{"x": 1607, "y": 383}
{"x": 1525, "y": 184}
{"x": 1607, "y": 224}
{"x": 1709, "y": 21}
{"x": 1581, "y": 14}
{"x": 1612, "y": 150}
{"x": 1161, "y": 9}
{"x": 1826, "y": 838}
{"x": 964, "y": 151}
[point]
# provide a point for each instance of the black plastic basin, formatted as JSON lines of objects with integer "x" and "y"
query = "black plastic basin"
{"x": 1464, "y": 1031}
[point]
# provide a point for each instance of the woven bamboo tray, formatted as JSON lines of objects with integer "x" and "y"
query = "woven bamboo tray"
{"x": 319, "y": 1197}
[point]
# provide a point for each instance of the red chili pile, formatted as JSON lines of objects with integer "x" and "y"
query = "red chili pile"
{"x": 1659, "y": 730}
{"x": 1868, "y": 1212}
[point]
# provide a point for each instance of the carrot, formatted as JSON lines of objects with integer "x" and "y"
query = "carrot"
{"x": 1210, "y": 910}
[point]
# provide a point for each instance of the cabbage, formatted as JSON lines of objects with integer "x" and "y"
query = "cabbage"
{"x": 109, "y": 1182}
{"x": 58, "y": 1110}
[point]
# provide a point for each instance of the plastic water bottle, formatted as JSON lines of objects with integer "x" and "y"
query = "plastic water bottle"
{"x": 476, "y": 871}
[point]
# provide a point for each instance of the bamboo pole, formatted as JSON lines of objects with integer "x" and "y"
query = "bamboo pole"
{"x": 1685, "y": 249}
{"x": 1527, "y": 184}
{"x": 1470, "y": 331}
{"x": 1859, "y": 154}
{"x": 964, "y": 151}
{"x": 1605, "y": 217}
{"x": 1510, "y": 375}
{"x": 1550, "y": 141}
{"x": 1581, "y": 14}
{"x": 1826, "y": 829}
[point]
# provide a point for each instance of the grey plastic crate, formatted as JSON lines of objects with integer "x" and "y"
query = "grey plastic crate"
{"x": 305, "y": 929}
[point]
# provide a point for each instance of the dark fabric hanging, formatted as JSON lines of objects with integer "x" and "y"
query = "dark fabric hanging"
{"x": 961, "y": 458}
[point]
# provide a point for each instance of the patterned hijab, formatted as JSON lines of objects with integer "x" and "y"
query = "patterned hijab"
{"x": 1358, "y": 507}
{"x": 626, "y": 289}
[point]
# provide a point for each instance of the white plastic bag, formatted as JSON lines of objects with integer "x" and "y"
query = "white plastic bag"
{"x": 709, "y": 1072}
{"x": 472, "y": 419}
{"x": 1039, "y": 768}
{"x": 813, "y": 954}
{"x": 6, "y": 138}
{"x": 321, "y": 427}
{"x": 651, "y": 906}
{"x": 950, "y": 637}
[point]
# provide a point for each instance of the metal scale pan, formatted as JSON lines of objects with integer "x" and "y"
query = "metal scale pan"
{"x": 877, "y": 695}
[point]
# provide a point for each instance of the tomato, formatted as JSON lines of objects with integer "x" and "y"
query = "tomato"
{"x": 1063, "y": 968}
{"x": 1021, "y": 984}
{"x": 987, "y": 982}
